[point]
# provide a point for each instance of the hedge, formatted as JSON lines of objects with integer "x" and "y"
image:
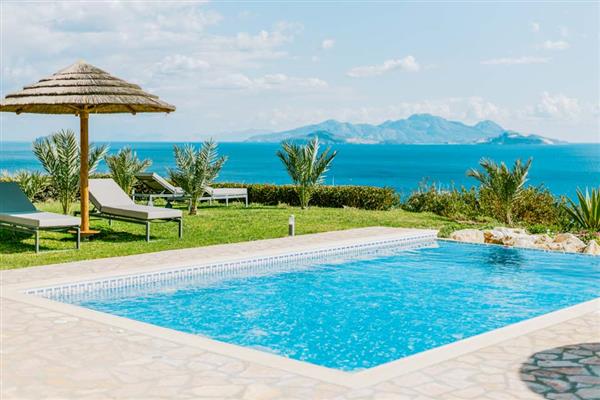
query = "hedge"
{"x": 363, "y": 197}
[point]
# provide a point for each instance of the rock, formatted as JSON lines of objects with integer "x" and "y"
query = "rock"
{"x": 493, "y": 236}
{"x": 525, "y": 241}
{"x": 569, "y": 242}
{"x": 468, "y": 235}
{"x": 592, "y": 248}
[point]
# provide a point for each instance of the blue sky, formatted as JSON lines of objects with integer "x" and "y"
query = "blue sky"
{"x": 237, "y": 66}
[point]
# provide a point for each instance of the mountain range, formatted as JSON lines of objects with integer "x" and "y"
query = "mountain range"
{"x": 416, "y": 129}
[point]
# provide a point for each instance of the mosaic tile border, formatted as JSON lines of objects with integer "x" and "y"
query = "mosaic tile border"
{"x": 230, "y": 268}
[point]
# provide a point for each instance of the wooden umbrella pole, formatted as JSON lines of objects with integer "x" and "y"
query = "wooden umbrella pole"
{"x": 84, "y": 171}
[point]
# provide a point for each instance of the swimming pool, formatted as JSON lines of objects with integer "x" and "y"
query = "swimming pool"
{"x": 352, "y": 311}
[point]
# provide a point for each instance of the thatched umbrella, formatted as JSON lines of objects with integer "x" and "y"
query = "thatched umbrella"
{"x": 83, "y": 89}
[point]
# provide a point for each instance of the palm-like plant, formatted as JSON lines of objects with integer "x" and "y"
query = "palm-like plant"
{"x": 32, "y": 183}
{"x": 124, "y": 166}
{"x": 586, "y": 214}
{"x": 306, "y": 166}
{"x": 504, "y": 185}
{"x": 196, "y": 170}
{"x": 59, "y": 154}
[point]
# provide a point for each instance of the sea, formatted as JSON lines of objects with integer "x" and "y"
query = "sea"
{"x": 560, "y": 168}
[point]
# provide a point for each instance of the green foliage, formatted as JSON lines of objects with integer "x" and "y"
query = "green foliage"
{"x": 306, "y": 166}
{"x": 124, "y": 166}
{"x": 586, "y": 214}
{"x": 505, "y": 186}
{"x": 59, "y": 154}
{"x": 454, "y": 203}
{"x": 360, "y": 197}
{"x": 534, "y": 206}
{"x": 33, "y": 183}
{"x": 196, "y": 170}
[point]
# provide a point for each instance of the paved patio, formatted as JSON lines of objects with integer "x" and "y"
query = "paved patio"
{"x": 49, "y": 351}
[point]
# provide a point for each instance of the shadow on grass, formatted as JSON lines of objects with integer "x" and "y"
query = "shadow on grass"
{"x": 569, "y": 372}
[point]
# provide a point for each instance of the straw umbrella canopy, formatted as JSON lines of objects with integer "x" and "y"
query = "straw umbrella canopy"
{"x": 82, "y": 89}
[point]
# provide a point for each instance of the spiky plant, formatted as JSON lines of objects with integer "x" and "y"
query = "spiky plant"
{"x": 505, "y": 186}
{"x": 124, "y": 166}
{"x": 306, "y": 166}
{"x": 59, "y": 154}
{"x": 33, "y": 183}
{"x": 586, "y": 214}
{"x": 196, "y": 170}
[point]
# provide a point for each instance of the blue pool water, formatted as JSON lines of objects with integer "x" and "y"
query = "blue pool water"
{"x": 360, "y": 313}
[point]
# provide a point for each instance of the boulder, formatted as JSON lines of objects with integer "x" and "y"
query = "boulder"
{"x": 569, "y": 242}
{"x": 493, "y": 236}
{"x": 468, "y": 235}
{"x": 523, "y": 241}
{"x": 502, "y": 235}
{"x": 592, "y": 248}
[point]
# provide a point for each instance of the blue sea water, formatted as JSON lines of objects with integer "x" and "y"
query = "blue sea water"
{"x": 362, "y": 312}
{"x": 561, "y": 168}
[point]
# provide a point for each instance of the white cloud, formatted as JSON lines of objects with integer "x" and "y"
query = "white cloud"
{"x": 516, "y": 60}
{"x": 327, "y": 44}
{"x": 555, "y": 106}
{"x": 534, "y": 26}
{"x": 178, "y": 63}
{"x": 408, "y": 63}
{"x": 556, "y": 45}
{"x": 281, "y": 82}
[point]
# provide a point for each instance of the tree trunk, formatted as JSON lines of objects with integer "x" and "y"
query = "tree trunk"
{"x": 194, "y": 205}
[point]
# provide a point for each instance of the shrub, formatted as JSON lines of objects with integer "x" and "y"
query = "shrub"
{"x": 196, "y": 170}
{"x": 306, "y": 166}
{"x": 504, "y": 186}
{"x": 454, "y": 203}
{"x": 124, "y": 166}
{"x": 586, "y": 214}
{"x": 59, "y": 154}
{"x": 33, "y": 183}
{"x": 363, "y": 197}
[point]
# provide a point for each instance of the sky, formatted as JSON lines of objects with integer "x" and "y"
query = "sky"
{"x": 236, "y": 68}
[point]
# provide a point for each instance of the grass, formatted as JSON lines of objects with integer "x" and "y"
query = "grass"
{"x": 213, "y": 225}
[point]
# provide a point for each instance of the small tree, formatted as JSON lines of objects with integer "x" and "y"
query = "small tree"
{"x": 505, "y": 186}
{"x": 586, "y": 214}
{"x": 306, "y": 166}
{"x": 124, "y": 166}
{"x": 59, "y": 154}
{"x": 196, "y": 170}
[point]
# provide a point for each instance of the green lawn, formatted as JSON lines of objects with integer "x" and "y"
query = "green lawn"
{"x": 213, "y": 225}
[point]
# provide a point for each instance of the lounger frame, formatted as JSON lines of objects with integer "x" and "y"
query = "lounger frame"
{"x": 139, "y": 221}
{"x": 36, "y": 231}
{"x": 169, "y": 197}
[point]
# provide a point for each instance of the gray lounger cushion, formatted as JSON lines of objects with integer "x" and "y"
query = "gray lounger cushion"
{"x": 109, "y": 198}
{"x": 15, "y": 208}
{"x": 40, "y": 219}
{"x": 142, "y": 212}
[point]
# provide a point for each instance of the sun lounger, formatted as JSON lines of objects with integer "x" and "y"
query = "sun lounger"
{"x": 163, "y": 189}
{"x": 112, "y": 203}
{"x": 18, "y": 213}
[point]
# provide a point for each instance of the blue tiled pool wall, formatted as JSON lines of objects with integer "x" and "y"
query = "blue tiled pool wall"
{"x": 194, "y": 275}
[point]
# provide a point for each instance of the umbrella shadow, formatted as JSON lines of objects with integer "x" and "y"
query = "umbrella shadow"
{"x": 569, "y": 372}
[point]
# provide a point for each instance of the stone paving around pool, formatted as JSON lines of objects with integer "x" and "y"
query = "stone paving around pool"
{"x": 50, "y": 354}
